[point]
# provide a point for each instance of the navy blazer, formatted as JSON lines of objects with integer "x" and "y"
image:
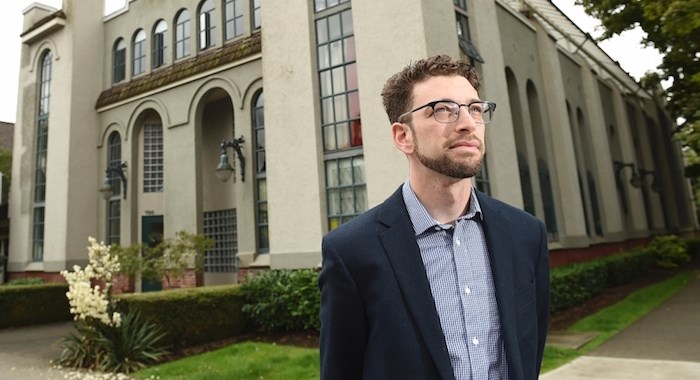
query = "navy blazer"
{"x": 378, "y": 317}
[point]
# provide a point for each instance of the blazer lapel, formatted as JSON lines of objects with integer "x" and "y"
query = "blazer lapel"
{"x": 404, "y": 255}
{"x": 501, "y": 252}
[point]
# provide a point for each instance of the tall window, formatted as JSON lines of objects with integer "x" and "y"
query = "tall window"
{"x": 114, "y": 159}
{"x": 139, "y": 53}
{"x": 340, "y": 112}
{"x": 153, "y": 158}
{"x": 465, "y": 42}
{"x": 260, "y": 174}
{"x": 482, "y": 179}
{"x": 257, "y": 17}
{"x": 182, "y": 34}
{"x": 42, "y": 139}
{"x": 234, "y": 18}
{"x": 159, "y": 44}
{"x": 207, "y": 24}
{"x": 119, "y": 61}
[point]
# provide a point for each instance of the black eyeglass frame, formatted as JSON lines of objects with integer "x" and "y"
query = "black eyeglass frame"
{"x": 489, "y": 107}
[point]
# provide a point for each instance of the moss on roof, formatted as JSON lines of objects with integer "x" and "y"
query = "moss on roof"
{"x": 180, "y": 70}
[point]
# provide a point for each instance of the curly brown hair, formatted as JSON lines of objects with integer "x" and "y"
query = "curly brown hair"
{"x": 397, "y": 94}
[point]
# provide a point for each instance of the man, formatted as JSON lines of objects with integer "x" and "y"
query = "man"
{"x": 440, "y": 281}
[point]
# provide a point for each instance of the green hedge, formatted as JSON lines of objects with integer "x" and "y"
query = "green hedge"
{"x": 23, "y": 305}
{"x": 191, "y": 316}
{"x": 574, "y": 284}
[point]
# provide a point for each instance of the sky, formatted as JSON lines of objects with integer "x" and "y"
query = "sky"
{"x": 626, "y": 48}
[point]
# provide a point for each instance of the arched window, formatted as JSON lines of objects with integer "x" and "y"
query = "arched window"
{"x": 207, "y": 25}
{"x": 159, "y": 43}
{"x": 182, "y": 34}
{"x": 139, "y": 52}
{"x": 119, "y": 61}
{"x": 114, "y": 159}
{"x": 260, "y": 174}
{"x": 234, "y": 18}
{"x": 42, "y": 139}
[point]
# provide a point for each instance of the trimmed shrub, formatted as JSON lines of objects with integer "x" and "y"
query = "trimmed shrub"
{"x": 670, "y": 251}
{"x": 24, "y": 305}
{"x": 190, "y": 316}
{"x": 283, "y": 299}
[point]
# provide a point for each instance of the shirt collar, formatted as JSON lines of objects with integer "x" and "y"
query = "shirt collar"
{"x": 421, "y": 219}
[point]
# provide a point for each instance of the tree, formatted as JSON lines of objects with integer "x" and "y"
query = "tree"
{"x": 672, "y": 27}
{"x": 167, "y": 260}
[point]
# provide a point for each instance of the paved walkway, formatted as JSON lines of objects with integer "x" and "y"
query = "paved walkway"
{"x": 665, "y": 344}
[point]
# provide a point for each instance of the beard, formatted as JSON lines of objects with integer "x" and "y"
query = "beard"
{"x": 465, "y": 165}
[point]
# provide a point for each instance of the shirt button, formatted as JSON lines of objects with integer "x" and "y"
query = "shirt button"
{"x": 458, "y": 242}
{"x": 467, "y": 290}
{"x": 475, "y": 341}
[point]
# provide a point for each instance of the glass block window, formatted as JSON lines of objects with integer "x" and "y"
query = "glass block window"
{"x": 346, "y": 189}
{"x": 234, "y": 18}
{"x": 153, "y": 158}
{"x": 207, "y": 25}
{"x": 220, "y": 226}
{"x": 257, "y": 16}
{"x": 320, "y": 5}
{"x": 159, "y": 44}
{"x": 42, "y": 139}
{"x": 182, "y": 34}
{"x": 119, "y": 61}
{"x": 260, "y": 174}
{"x": 139, "y": 52}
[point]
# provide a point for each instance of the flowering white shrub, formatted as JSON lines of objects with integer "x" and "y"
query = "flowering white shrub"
{"x": 88, "y": 301}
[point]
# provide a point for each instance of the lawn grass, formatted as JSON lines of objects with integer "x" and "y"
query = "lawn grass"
{"x": 613, "y": 319}
{"x": 249, "y": 360}
{"x": 242, "y": 361}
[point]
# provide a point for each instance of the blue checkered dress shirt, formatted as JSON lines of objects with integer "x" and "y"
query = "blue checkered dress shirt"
{"x": 457, "y": 264}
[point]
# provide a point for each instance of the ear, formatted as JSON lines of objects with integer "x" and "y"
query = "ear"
{"x": 403, "y": 137}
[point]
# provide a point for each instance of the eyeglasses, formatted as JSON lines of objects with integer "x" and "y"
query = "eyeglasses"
{"x": 447, "y": 111}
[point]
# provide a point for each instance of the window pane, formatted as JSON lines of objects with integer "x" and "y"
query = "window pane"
{"x": 341, "y": 110}
{"x": 326, "y": 85}
{"x": 329, "y": 138}
{"x": 345, "y": 172}
{"x": 324, "y": 60}
{"x": 338, "y": 80}
{"x": 327, "y": 110}
{"x": 341, "y": 129}
{"x": 336, "y": 48}
{"x": 349, "y": 50}
{"x": 334, "y": 32}
{"x": 347, "y": 23}
{"x": 321, "y": 31}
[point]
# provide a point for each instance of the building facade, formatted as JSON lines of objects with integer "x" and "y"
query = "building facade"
{"x": 124, "y": 119}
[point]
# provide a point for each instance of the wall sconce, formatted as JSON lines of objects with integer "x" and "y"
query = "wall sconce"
{"x": 643, "y": 173}
{"x": 113, "y": 170}
{"x": 635, "y": 180}
{"x": 224, "y": 170}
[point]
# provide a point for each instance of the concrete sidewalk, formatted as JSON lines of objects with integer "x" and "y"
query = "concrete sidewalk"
{"x": 26, "y": 352}
{"x": 665, "y": 344}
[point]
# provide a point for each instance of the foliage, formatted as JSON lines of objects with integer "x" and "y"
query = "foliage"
{"x": 191, "y": 316}
{"x": 672, "y": 27}
{"x": 283, "y": 299}
{"x": 104, "y": 339}
{"x": 25, "y": 305}
{"x": 90, "y": 301}
{"x": 670, "y": 251}
{"x": 169, "y": 259}
{"x": 129, "y": 347}
{"x": 242, "y": 361}
{"x": 25, "y": 281}
{"x": 573, "y": 284}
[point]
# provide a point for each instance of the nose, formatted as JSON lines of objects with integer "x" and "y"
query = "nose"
{"x": 464, "y": 121}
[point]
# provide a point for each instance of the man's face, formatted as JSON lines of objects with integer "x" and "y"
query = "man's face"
{"x": 454, "y": 149}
